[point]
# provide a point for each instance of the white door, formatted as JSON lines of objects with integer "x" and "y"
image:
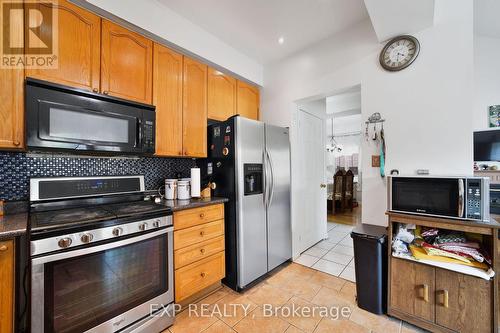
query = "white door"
{"x": 310, "y": 199}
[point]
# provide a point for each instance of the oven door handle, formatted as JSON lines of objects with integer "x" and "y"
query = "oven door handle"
{"x": 461, "y": 197}
{"x": 99, "y": 248}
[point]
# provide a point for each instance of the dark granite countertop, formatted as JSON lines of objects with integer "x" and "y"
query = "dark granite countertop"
{"x": 13, "y": 225}
{"x": 177, "y": 205}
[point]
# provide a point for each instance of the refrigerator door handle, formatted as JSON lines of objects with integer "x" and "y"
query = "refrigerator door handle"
{"x": 266, "y": 180}
{"x": 272, "y": 178}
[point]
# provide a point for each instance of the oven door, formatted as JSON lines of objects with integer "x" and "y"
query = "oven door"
{"x": 102, "y": 288}
{"x": 429, "y": 196}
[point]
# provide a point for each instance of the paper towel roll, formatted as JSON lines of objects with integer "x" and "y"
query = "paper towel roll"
{"x": 195, "y": 182}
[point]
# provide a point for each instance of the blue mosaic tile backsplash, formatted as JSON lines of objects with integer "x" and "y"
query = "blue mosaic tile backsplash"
{"x": 17, "y": 168}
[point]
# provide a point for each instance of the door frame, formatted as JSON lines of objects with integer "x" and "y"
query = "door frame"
{"x": 297, "y": 246}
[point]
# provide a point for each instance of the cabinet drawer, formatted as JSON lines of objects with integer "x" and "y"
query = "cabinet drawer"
{"x": 196, "y": 234}
{"x": 199, "y": 275}
{"x": 190, "y": 254}
{"x": 191, "y": 217}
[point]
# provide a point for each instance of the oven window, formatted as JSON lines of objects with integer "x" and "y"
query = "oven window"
{"x": 85, "y": 126}
{"x": 435, "y": 196}
{"x": 86, "y": 291}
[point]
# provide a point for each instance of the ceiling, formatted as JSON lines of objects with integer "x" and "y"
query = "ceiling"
{"x": 254, "y": 27}
{"x": 486, "y": 22}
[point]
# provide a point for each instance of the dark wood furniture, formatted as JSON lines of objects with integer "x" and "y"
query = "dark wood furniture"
{"x": 338, "y": 192}
{"x": 349, "y": 190}
{"x": 438, "y": 299}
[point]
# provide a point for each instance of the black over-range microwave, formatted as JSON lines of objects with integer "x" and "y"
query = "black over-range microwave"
{"x": 64, "y": 118}
{"x": 450, "y": 197}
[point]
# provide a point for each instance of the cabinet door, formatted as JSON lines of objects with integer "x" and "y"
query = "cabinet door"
{"x": 412, "y": 288}
{"x": 167, "y": 97}
{"x": 248, "y": 100}
{"x": 463, "y": 302}
{"x": 221, "y": 95}
{"x": 79, "y": 39}
{"x": 194, "y": 109}
{"x": 6, "y": 286}
{"x": 12, "y": 108}
{"x": 126, "y": 64}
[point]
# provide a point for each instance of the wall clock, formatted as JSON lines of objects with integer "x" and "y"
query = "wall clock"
{"x": 399, "y": 53}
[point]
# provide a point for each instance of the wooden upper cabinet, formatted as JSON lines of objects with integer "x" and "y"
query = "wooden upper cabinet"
{"x": 194, "y": 110}
{"x": 167, "y": 97}
{"x": 79, "y": 40}
{"x": 248, "y": 100}
{"x": 12, "y": 108}
{"x": 221, "y": 95}
{"x": 126, "y": 63}
{"x": 6, "y": 286}
{"x": 463, "y": 302}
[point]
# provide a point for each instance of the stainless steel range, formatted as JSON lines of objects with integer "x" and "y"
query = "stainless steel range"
{"x": 101, "y": 256}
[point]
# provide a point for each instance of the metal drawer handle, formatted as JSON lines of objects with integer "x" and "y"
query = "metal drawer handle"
{"x": 202, "y": 275}
{"x": 202, "y": 233}
{"x": 425, "y": 289}
{"x": 202, "y": 251}
{"x": 202, "y": 215}
{"x": 446, "y": 298}
{"x": 4, "y": 248}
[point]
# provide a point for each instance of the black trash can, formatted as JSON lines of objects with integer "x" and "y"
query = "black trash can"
{"x": 370, "y": 261}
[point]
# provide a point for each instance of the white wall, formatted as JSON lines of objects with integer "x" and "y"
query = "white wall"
{"x": 427, "y": 106}
{"x": 486, "y": 78}
{"x": 160, "y": 20}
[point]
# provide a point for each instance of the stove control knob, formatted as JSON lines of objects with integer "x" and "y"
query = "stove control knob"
{"x": 143, "y": 226}
{"x": 64, "y": 242}
{"x": 117, "y": 231}
{"x": 156, "y": 223}
{"x": 86, "y": 238}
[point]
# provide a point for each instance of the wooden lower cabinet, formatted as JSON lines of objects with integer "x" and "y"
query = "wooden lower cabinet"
{"x": 6, "y": 286}
{"x": 199, "y": 256}
{"x": 411, "y": 289}
{"x": 463, "y": 302}
{"x": 440, "y": 300}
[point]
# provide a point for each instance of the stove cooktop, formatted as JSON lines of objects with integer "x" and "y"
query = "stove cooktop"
{"x": 72, "y": 217}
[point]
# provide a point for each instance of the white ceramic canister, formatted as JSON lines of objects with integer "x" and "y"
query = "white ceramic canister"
{"x": 183, "y": 190}
{"x": 170, "y": 189}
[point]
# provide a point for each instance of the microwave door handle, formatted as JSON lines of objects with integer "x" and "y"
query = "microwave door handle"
{"x": 461, "y": 198}
{"x": 139, "y": 132}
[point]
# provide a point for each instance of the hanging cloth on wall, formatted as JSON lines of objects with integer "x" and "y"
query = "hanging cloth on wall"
{"x": 382, "y": 152}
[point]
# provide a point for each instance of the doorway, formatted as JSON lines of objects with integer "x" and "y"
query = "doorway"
{"x": 327, "y": 139}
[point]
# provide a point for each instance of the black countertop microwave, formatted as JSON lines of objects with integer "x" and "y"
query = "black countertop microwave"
{"x": 450, "y": 197}
{"x": 64, "y": 118}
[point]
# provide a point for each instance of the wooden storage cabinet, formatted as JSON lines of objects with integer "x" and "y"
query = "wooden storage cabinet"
{"x": 79, "y": 41}
{"x": 412, "y": 289}
{"x": 248, "y": 100}
{"x": 221, "y": 95}
{"x": 12, "y": 108}
{"x": 6, "y": 286}
{"x": 462, "y": 302}
{"x": 194, "y": 110}
{"x": 167, "y": 96}
{"x": 438, "y": 299}
{"x": 126, "y": 64}
{"x": 199, "y": 256}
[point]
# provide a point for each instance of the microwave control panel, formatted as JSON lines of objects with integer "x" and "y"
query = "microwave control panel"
{"x": 474, "y": 199}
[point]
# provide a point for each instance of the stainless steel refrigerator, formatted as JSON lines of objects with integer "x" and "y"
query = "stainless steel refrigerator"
{"x": 250, "y": 163}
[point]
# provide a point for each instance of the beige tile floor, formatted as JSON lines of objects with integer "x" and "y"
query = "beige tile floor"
{"x": 292, "y": 286}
